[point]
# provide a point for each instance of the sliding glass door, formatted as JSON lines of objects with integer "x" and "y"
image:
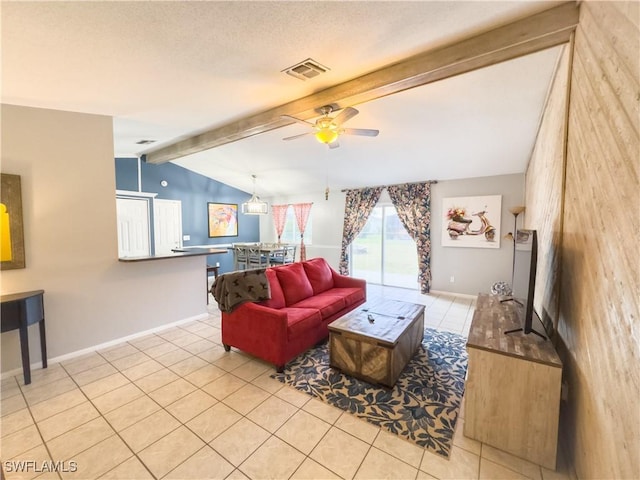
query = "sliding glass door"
{"x": 383, "y": 253}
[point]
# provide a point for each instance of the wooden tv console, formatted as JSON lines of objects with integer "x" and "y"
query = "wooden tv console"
{"x": 512, "y": 393}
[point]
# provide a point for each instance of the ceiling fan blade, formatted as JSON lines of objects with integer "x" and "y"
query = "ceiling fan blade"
{"x": 297, "y": 136}
{"x": 367, "y": 132}
{"x": 345, "y": 115}
{"x": 304, "y": 122}
{"x": 334, "y": 144}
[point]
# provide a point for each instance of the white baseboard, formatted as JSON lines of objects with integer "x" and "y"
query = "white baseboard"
{"x": 102, "y": 346}
{"x": 463, "y": 295}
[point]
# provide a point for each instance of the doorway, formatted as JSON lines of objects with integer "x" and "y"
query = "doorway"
{"x": 133, "y": 227}
{"x": 384, "y": 253}
{"x": 167, "y": 225}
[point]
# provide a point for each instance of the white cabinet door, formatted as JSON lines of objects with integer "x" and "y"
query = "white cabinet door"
{"x": 167, "y": 225}
{"x": 133, "y": 227}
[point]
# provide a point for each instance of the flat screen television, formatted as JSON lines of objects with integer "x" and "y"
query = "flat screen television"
{"x": 524, "y": 276}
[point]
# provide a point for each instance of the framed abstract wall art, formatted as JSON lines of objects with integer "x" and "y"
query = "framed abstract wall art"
{"x": 11, "y": 226}
{"x": 223, "y": 219}
{"x": 471, "y": 221}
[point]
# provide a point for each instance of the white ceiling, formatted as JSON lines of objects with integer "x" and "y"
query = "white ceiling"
{"x": 167, "y": 70}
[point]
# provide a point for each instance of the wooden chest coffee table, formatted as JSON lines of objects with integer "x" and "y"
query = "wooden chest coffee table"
{"x": 376, "y": 351}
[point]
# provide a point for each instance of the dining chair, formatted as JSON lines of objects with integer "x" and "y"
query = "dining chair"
{"x": 240, "y": 257}
{"x": 286, "y": 254}
{"x": 290, "y": 254}
{"x": 256, "y": 258}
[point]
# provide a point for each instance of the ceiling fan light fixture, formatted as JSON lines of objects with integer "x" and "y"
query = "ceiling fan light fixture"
{"x": 327, "y": 135}
{"x": 255, "y": 206}
{"x": 327, "y": 129}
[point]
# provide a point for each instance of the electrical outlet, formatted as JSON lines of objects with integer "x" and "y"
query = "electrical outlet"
{"x": 186, "y": 237}
{"x": 452, "y": 279}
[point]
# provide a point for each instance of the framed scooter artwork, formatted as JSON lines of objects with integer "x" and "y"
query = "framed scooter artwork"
{"x": 472, "y": 222}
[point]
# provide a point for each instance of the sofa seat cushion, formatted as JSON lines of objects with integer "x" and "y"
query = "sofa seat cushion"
{"x": 277, "y": 297}
{"x": 302, "y": 320}
{"x": 327, "y": 304}
{"x": 319, "y": 274}
{"x": 350, "y": 295}
{"x": 294, "y": 282}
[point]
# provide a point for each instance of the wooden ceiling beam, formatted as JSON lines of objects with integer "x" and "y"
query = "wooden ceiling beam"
{"x": 537, "y": 32}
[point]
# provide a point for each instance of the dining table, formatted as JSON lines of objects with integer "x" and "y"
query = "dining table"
{"x": 266, "y": 249}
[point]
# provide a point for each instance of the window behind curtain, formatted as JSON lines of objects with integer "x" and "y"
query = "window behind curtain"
{"x": 291, "y": 233}
{"x": 383, "y": 252}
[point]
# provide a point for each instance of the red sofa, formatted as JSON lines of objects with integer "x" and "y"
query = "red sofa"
{"x": 305, "y": 298}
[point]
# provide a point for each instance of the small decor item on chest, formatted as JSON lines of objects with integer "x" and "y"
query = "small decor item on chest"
{"x": 501, "y": 288}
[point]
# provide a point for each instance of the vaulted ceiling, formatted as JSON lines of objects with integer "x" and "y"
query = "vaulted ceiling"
{"x": 167, "y": 71}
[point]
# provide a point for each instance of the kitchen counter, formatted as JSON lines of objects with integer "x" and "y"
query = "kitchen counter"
{"x": 177, "y": 253}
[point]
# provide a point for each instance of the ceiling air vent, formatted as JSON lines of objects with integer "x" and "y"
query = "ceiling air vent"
{"x": 306, "y": 69}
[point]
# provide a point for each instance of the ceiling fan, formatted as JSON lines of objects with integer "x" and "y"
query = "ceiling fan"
{"x": 327, "y": 129}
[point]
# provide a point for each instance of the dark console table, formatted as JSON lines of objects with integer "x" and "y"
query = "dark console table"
{"x": 19, "y": 310}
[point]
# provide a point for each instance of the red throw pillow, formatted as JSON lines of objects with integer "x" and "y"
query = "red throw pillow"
{"x": 319, "y": 274}
{"x": 277, "y": 297}
{"x": 294, "y": 282}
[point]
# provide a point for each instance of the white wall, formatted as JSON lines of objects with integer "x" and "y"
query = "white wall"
{"x": 328, "y": 219}
{"x": 65, "y": 161}
{"x": 474, "y": 269}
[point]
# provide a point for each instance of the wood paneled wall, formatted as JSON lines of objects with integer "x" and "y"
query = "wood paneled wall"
{"x": 598, "y": 281}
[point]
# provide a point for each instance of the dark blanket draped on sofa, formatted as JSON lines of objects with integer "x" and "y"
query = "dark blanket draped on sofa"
{"x": 234, "y": 288}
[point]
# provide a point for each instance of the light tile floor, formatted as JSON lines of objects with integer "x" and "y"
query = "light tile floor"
{"x": 175, "y": 405}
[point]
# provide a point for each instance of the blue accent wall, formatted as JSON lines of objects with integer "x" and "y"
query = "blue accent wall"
{"x": 127, "y": 174}
{"x": 194, "y": 191}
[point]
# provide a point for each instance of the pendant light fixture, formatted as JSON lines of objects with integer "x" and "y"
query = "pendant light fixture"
{"x": 254, "y": 206}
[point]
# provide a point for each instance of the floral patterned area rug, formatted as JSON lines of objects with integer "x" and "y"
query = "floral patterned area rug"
{"x": 422, "y": 407}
